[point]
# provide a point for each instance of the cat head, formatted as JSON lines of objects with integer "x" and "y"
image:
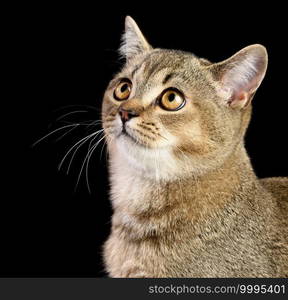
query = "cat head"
{"x": 168, "y": 113}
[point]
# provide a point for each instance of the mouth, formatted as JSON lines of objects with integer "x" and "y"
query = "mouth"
{"x": 126, "y": 134}
{"x": 129, "y": 136}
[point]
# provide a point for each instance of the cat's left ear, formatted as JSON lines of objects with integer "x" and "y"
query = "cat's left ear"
{"x": 240, "y": 75}
{"x": 133, "y": 41}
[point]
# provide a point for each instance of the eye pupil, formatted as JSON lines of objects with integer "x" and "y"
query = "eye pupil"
{"x": 171, "y": 97}
{"x": 124, "y": 88}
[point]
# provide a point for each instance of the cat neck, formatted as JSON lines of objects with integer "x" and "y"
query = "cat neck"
{"x": 137, "y": 199}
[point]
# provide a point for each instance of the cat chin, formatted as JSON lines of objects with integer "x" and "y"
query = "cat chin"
{"x": 130, "y": 138}
{"x": 152, "y": 163}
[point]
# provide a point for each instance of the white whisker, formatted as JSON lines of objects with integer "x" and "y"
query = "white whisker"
{"x": 85, "y": 160}
{"x": 82, "y": 141}
{"x": 103, "y": 146}
{"x": 54, "y": 131}
{"x": 71, "y": 113}
{"x": 90, "y": 153}
{"x": 75, "y": 152}
{"x": 61, "y": 137}
{"x": 71, "y": 160}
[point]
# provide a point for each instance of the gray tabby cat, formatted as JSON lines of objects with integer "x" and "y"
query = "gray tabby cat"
{"x": 186, "y": 200}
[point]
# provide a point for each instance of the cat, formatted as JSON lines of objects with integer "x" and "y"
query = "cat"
{"x": 186, "y": 201}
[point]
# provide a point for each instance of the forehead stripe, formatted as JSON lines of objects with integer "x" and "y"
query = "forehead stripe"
{"x": 146, "y": 58}
{"x": 168, "y": 77}
{"x": 136, "y": 69}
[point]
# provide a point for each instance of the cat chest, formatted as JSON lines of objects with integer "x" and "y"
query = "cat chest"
{"x": 219, "y": 255}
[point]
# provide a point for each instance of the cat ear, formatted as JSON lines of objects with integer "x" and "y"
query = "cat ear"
{"x": 133, "y": 41}
{"x": 240, "y": 75}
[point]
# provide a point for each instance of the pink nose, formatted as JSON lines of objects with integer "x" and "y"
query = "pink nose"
{"x": 126, "y": 115}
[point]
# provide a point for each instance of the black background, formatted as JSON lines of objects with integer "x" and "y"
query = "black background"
{"x": 65, "y": 55}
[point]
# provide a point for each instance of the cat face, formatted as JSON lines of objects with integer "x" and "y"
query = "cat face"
{"x": 169, "y": 113}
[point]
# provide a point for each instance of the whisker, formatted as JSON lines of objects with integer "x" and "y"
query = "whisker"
{"x": 85, "y": 160}
{"x": 54, "y": 131}
{"x": 61, "y": 137}
{"x": 163, "y": 137}
{"x": 71, "y": 113}
{"x": 107, "y": 141}
{"x": 71, "y": 160}
{"x": 85, "y": 123}
{"x": 69, "y": 151}
{"x": 96, "y": 122}
{"x": 75, "y": 152}
{"x": 103, "y": 146}
{"x": 81, "y": 142}
{"x": 77, "y": 105}
{"x": 174, "y": 145}
{"x": 87, "y": 164}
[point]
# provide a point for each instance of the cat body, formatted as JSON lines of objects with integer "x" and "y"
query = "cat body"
{"x": 186, "y": 200}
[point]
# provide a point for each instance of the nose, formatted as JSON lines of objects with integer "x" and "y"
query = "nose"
{"x": 127, "y": 114}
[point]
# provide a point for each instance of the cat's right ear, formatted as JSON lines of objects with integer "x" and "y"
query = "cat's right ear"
{"x": 133, "y": 41}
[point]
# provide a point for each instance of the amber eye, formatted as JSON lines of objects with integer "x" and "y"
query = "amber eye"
{"x": 123, "y": 90}
{"x": 172, "y": 99}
